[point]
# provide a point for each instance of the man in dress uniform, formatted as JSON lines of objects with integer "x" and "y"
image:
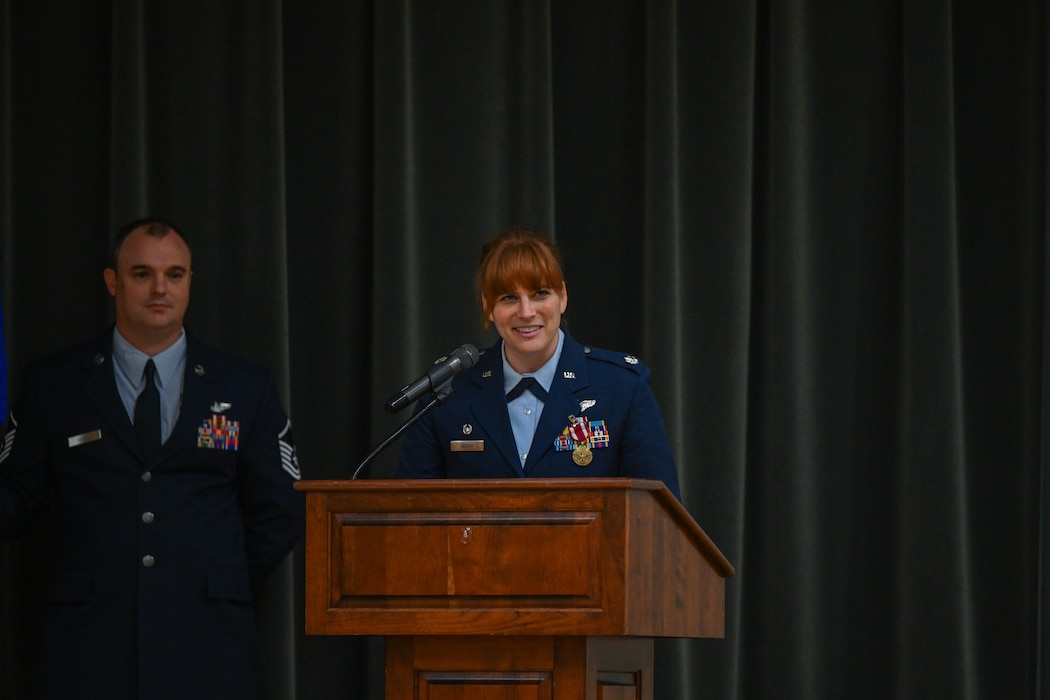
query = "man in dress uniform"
{"x": 168, "y": 468}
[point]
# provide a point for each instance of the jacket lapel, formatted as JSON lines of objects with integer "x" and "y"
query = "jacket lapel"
{"x": 100, "y": 386}
{"x": 489, "y": 408}
{"x": 562, "y": 401}
{"x": 201, "y": 373}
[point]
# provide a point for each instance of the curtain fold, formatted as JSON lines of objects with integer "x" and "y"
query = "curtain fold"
{"x": 821, "y": 225}
{"x": 932, "y": 484}
{"x": 1041, "y": 619}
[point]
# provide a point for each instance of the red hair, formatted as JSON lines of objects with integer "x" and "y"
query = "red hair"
{"x": 516, "y": 258}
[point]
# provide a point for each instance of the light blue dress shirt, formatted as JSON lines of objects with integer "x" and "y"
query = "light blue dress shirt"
{"x": 128, "y": 365}
{"x": 525, "y": 410}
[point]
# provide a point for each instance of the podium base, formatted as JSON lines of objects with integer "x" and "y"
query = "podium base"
{"x": 519, "y": 668}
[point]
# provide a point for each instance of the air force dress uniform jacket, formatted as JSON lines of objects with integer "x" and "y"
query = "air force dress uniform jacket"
{"x": 470, "y": 436}
{"x": 155, "y": 560}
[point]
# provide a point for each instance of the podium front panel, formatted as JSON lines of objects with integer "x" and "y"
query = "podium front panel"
{"x": 508, "y": 557}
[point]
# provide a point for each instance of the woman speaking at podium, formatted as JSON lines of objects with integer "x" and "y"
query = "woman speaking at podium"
{"x": 538, "y": 403}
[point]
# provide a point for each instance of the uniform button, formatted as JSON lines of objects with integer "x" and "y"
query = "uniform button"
{"x": 147, "y": 477}
{"x": 148, "y": 560}
{"x": 147, "y": 517}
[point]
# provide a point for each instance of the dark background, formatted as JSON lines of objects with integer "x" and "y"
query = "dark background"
{"x": 822, "y": 224}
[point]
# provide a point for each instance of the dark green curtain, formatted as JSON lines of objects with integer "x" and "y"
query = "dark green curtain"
{"x": 822, "y": 225}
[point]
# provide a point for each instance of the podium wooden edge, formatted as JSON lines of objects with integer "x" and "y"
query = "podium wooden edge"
{"x": 706, "y": 545}
{"x": 619, "y": 605}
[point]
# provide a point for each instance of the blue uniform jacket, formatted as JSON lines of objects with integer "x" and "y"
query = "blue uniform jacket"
{"x": 155, "y": 562}
{"x": 599, "y": 385}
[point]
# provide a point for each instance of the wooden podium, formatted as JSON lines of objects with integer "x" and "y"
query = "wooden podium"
{"x": 511, "y": 589}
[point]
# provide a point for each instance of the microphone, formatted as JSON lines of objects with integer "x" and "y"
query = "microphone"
{"x": 462, "y": 358}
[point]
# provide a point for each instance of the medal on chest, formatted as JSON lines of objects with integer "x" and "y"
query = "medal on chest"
{"x": 581, "y": 436}
{"x": 580, "y": 433}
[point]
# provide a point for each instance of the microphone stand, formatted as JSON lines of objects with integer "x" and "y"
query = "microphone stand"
{"x": 440, "y": 396}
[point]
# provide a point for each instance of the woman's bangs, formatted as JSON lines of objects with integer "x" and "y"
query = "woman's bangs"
{"x": 524, "y": 269}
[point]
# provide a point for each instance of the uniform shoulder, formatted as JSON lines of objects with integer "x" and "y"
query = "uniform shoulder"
{"x": 614, "y": 357}
{"x": 91, "y": 352}
{"x": 209, "y": 355}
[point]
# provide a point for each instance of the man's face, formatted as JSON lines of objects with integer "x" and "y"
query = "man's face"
{"x": 151, "y": 286}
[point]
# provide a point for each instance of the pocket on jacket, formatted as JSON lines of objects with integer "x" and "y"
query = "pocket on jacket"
{"x": 229, "y": 583}
{"x": 70, "y": 587}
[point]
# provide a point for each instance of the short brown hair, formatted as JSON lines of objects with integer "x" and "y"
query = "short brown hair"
{"x": 154, "y": 226}
{"x": 516, "y": 258}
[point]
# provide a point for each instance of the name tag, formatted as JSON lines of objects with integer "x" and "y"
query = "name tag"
{"x": 467, "y": 445}
{"x": 85, "y": 438}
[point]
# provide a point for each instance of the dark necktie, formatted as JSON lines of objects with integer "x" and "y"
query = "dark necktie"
{"x": 147, "y": 412}
{"x": 532, "y": 385}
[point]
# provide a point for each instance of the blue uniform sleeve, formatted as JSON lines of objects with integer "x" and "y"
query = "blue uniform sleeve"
{"x": 274, "y": 512}
{"x": 24, "y": 467}
{"x": 646, "y": 451}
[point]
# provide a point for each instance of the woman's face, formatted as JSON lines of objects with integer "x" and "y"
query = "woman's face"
{"x": 528, "y": 322}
